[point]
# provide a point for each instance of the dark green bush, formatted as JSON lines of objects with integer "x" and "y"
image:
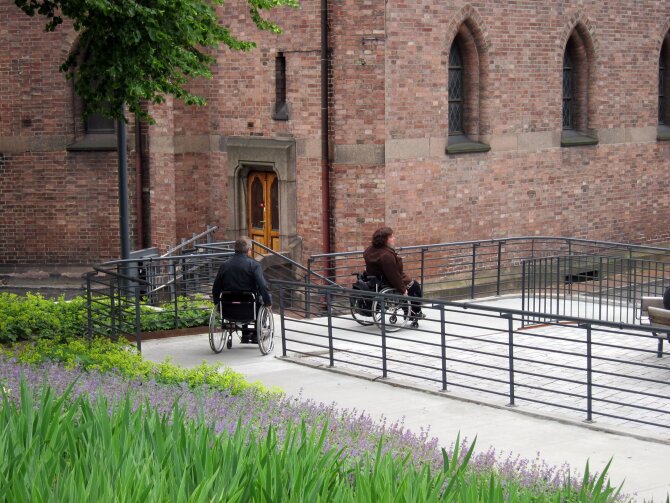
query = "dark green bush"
{"x": 32, "y": 317}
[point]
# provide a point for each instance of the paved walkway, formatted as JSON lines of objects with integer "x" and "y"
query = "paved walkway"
{"x": 550, "y": 365}
{"x": 643, "y": 465}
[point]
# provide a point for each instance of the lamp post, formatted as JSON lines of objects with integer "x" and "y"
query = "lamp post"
{"x": 124, "y": 227}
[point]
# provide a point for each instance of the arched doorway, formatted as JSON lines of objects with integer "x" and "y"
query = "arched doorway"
{"x": 263, "y": 208}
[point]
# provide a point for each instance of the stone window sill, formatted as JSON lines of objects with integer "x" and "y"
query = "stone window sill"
{"x": 461, "y": 144}
{"x": 663, "y": 133}
{"x": 572, "y": 138}
{"x": 94, "y": 142}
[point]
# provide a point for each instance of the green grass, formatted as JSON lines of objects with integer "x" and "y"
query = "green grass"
{"x": 53, "y": 448}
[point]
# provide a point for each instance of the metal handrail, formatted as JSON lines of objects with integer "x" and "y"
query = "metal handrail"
{"x": 612, "y": 244}
{"x": 505, "y": 362}
{"x": 437, "y": 303}
{"x": 270, "y": 251}
{"x": 208, "y": 232}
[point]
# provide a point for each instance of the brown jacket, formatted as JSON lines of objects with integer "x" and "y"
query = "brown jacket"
{"x": 385, "y": 262}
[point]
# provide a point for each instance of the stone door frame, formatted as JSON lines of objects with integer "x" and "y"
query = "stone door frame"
{"x": 246, "y": 154}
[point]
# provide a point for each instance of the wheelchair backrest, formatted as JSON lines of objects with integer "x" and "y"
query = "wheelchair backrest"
{"x": 238, "y": 306}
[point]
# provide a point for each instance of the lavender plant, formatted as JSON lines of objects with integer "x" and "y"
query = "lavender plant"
{"x": 353, "y": 435}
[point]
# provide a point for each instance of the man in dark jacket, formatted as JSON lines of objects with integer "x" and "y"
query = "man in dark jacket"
{"x": 382, "y": 261}
{"x": 241, "y": 273}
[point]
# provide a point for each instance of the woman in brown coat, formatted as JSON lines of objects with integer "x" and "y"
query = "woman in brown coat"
{"x": 382, "y": 261}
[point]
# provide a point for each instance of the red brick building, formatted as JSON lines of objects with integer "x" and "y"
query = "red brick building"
{"x": 445, "y": 120}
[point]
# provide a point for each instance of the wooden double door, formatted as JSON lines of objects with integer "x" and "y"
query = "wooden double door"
{"x": 263, "y": 208}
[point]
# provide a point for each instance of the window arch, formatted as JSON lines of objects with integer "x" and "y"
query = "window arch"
{"x": 455, "y": 90}
{"x": 664, "y": 90}
{"x": 568, "y": 91}
{"x": 664, "y": 83}
{"x": 97, "y": 131}
{"x": 577, "y": 70}
{"x": 465, "y": 72}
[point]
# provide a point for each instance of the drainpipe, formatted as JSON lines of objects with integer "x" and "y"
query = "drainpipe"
{"x": 325, "y": 146}
{"x": 138, "y": 184}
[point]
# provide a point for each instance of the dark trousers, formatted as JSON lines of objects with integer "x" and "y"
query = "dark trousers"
{"x": 414, "y": 290}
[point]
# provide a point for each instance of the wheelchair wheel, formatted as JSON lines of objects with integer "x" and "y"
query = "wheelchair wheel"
{"x": 265, "y": 329}
{"x": 361, "y": 312}
{"x": 396, "y": 312}
{"x": 218, "y": 334}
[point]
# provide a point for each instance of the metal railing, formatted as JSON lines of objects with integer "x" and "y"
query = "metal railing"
{"x": 188, "y": 245}
{"x": 580, "y": 368}
{"x": 476, "y": 269}
{"x": 128, "y": 297}
{"x": 594, "y": 287}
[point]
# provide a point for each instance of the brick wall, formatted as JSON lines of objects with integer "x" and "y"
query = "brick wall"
{"x": 388, "y": 118}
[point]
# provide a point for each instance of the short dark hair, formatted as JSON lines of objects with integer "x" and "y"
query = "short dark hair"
{"x": 381, "y": 236}
{"x": 241, "y": 246}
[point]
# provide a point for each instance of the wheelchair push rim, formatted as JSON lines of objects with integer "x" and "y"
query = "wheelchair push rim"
{"x": 265, "y": 330}
{"x": 219, "y": 336}
{"x": 396, "y": 312}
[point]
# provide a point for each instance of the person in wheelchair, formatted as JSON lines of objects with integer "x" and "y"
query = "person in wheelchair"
{"x": 382, "y": 261}
{"x": 241, "y": 273}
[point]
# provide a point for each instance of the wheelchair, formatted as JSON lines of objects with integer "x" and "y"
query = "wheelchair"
{"x": 237, "y": 312}
{"x": 367, "y": 310}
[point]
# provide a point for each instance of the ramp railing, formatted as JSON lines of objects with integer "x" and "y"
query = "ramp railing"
{"x": 568, "y": 367}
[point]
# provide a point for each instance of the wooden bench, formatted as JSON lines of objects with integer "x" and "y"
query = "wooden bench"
{"x": 659, "y": 319}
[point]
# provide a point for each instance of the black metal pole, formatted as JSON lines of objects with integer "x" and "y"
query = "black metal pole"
{"x": 510, "y": 346}
{"x": 589, "y": 377}
{"x": 329, "y": 310}
{"x": 443, "y": 343}
{"x": 474, "y": 264}
{"x": 281, "y": 318}
{"x": 89, "y": 312}
{"x": 383, "y": 313}
{"x": 124, "y": 227}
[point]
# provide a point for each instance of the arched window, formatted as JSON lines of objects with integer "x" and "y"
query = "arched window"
{"x": 568, "y": 91}
{"x": 281, "y": 107}
{"x": 664, "y": 90}
{"x": 466, "y": 72}
{"x": 663, "y": 84}
{"x": 576, "y": 86}
{"x": 455, "y": 90}
{"x": 93, "y": 132}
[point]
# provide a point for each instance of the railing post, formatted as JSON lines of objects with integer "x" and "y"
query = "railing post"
{"x": 589, "y": 376}
{"x": 523, "y": 293}
{"x": 510, "y": 346}
{"x": 600, "y": 287}
{"x": 281, "y": 320}
{"x": 330, "y": 328}
{"x": 112, "y": 311}
{"x": 500, "y": 243}
{"x": 423, "y": 266}
{"x": 138, "y": 328}
{"x": 176, "y": 295}
{"x": 308, "y": 299}
{"x": 89, "y": 309}
{"x": 443, "y": 343}
{"x": 558, "y": 286}
{"x": 383, "y": 313}
{"x": 474, "y": 263}
{"x": 630, "y": 260}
